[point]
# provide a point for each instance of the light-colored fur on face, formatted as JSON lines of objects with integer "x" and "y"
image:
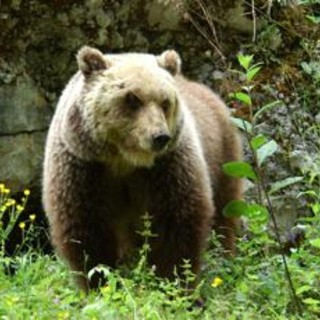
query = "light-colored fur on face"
{"x": 129, "y": 129}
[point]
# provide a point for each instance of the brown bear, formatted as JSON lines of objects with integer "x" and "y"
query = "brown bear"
{"x": 131, "y": 135}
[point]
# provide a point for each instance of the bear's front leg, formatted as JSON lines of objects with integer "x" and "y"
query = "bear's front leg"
{"x": 181, "y": 208}
{"x": 76, "y": 204}
{"x": 85, "y": 249}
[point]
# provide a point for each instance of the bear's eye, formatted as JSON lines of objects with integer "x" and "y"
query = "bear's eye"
{"x": 165, "y": 105}
{"x": 133, "y": 101}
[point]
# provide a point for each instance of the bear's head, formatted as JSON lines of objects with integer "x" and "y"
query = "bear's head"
{"x": 130, "y": 104}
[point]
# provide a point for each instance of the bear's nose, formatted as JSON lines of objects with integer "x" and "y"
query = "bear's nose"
{"x": 159, "y": 141}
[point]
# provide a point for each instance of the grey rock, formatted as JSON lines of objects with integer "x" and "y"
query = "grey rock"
{"x": 218, "y": 75}
{"x": 22, "y": 108}
{"x": 21, "y": 160}
{"x": 24, "y": 119}
{"x": 286, "y": 213}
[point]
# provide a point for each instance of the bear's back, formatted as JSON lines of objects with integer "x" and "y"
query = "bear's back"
{"x": 218, "y": 136}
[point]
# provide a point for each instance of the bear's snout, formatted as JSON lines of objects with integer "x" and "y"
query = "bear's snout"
{"x": 159, "y": 141}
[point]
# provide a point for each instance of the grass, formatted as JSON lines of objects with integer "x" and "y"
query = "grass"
{"x": 39, "y": 289}
{"x": 250, "y": 286}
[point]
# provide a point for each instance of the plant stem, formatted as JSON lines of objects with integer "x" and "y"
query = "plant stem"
{"x": 263, "y": 187}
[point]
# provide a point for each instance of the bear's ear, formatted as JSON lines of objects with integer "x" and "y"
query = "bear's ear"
{"x": 171, "y": 61}
{"x": 91, "y": 60}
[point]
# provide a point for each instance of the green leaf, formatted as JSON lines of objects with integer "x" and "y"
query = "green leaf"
{"x": 315, "y": 243}
{"x": 239, "y": 169}
{"x": 284, "y": 183}
{"x": 306, "y": 67}
{"x": 304, "y": 288}
{"x": 313, "y": 19}
{"x": 238, "y": 208}
{"x": 310, "y": 193}
{"x": 311, "y": 301}
{"x": 242, "y": 124}
{"x": 257, "y": 211}
{"x": 267, "y": 150}
{"x": 242, "y": 97}
{"x": 315, "y": 208}
{"x": 257, "y": 141}
{"x": 245, "y": 60}
{"x": 235, "y": 208}
{"x": 252, "y": 72}
{"x": 265, "y": 108}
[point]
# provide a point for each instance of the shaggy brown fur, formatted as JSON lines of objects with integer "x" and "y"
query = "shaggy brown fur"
{"x": 128, "y": 138}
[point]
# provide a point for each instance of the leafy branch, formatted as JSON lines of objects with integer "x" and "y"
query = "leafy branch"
{"x": 261, "y": 148}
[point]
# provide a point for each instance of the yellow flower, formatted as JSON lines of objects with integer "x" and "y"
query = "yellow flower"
{"x": 19, "y": 207}
{"x": 11, "y": 301}
{"x": 26, "y": 192}
{"x": 10, "y": 202}
{"x": 2, "y": 187}
{"x": 32, "y": 217}
{"x": 105, "y": 289}
{"x": 62, "y": 315}
{"x": 216, "y": 282}
{"x": 5, "y": 191}
{"x": 22, "y": 225}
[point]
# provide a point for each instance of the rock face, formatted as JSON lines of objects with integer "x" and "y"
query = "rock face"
{"x": 24, "y": 118}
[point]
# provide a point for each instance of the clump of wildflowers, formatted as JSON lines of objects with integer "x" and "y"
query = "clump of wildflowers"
{"x": 12, "y": 210}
